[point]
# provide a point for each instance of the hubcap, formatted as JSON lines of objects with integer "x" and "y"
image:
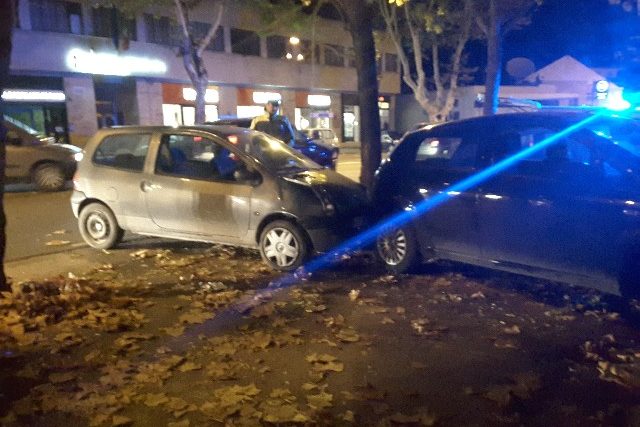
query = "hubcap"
{"x": 392, "y": 247}
{"x": 97, "y": 226}
{"x": 281, "y": 247}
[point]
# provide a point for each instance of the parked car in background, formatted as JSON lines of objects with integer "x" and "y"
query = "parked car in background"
{"x": 36, "y": 158}
{"x": 323, "y": 135}
{"x": 218, "y": 184}
{"x": 569, "y": 211}
{"x": 323, "y": 154}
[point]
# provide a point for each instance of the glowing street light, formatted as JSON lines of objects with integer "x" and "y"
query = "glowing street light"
{"x": 289, "y": 55}
{"x": 300, "y": 57}
{"x": 294, "y": 40}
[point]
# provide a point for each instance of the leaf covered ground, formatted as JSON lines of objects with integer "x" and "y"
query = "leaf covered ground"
{"x": 198, "y": 337}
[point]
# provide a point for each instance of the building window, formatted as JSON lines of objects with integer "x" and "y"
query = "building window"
{"x": 110, "y": 22}
{"x": 351, "y": 57}
{"x": 158, "y": 30}
{"x": 244, "y": 42}
{"x": 277, "y": 47}
{"x": 199, "y": 31}
{"x": 334, "y": 55}
{"x": 306, "y": 50}
{"x": 56, "y": 16}
{"x": 390, "y": 63}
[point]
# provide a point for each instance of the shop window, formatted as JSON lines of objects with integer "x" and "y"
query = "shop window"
{"x": 390, "y": 63}
{"x": 56, "y": 16}
{"x": 244, "y": 42}
{"x": 110, "y": 22}
{"x": 334, "y": 55}
{"x": 123, "y": 151}
{"x": 277, "y": 47}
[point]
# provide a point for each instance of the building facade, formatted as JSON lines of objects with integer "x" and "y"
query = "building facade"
{"x": 76, "y": 68}
{"x": 563, "y": 83}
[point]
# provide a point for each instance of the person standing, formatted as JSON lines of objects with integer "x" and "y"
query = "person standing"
{"x": 274, "y": 124}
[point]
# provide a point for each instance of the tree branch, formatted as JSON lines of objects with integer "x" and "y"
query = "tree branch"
{"x": 212, "y": 31}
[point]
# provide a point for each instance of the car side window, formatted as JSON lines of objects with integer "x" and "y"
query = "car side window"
{"x": 125, "y": 151}
{"x": 195, "y": 157}
{"x": 450, "y": 152}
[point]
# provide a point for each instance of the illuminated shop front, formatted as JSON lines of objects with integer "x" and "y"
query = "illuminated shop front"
{"x": 39, "y": 103}
{"x": 251, "y": 102}
{"x": 313, "y": 111}
{"x": 178, "y": 104}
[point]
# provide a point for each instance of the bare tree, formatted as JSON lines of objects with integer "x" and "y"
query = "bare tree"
{"x": 430, "y": 27}
{"x": 7, "y": 14}
{"x": 191, "y": 48}
{"x": 496, "y": 18}
{"x": 192, "y": 51}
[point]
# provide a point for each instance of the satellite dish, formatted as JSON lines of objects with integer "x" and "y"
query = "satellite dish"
{"x": 519, "y": 68}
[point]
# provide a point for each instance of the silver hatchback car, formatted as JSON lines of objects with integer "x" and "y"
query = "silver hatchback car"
{"x": 219, "y": 184}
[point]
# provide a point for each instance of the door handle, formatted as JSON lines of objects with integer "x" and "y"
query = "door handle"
{"x": 146, "y": 186}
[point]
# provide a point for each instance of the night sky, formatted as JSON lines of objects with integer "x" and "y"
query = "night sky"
{"x": 592, "y": 31}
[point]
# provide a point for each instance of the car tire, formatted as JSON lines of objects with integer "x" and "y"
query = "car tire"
{"x": 49, "y": 177}
{"x": 283, "y": 245}
{"x": 99, "y": 227}
{"x": 398, "y": 249}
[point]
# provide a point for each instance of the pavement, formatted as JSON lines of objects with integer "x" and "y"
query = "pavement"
{"x": 186, "y": 334}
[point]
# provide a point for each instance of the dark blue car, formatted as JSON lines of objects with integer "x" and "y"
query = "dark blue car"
{"x": 323, "y": 154}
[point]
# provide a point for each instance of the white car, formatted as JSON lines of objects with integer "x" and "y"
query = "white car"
{"x": 326, "y": 136}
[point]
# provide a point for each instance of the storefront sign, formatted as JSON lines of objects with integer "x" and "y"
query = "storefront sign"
{"x": 24, "y": 95}
{"x": 112, "y": 64}
{"x": 264, "y": 97}
{"x": 211, "y": 95}
{"x": 319, "y": 100}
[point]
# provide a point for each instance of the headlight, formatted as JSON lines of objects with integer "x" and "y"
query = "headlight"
{"x": 78, "y": 156}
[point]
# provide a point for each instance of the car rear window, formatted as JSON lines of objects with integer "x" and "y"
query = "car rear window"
{"x": 127, "y": 151}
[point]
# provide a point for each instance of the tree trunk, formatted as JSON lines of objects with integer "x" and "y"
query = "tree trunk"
{"x": 494, "y": 62}
{"x": 360, "y": 26}
{"x": 200, "y": 86}
{"x": 6, "y": 28}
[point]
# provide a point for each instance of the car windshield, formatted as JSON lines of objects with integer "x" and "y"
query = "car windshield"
{"x": 275, "y": 155}
{"x": 22, "y": 126}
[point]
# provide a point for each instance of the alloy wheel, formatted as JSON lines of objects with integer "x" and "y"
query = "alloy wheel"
{"x": 281, "y": 247}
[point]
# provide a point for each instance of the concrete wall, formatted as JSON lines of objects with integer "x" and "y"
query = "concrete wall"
{"x": 81, "y": 108}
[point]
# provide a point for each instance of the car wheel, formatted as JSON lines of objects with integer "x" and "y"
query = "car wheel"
{"x": 283, "y": 246}
{"x": 49, "y": 177}
{"x": 99, "y": 227}
{"x": 398, "y": 249}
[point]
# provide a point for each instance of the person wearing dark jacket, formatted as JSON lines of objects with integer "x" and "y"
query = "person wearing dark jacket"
{"x": 274, "y": 124}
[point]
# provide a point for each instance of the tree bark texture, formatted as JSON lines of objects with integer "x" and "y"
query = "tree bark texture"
{"x": 358, "y": 15}
{"x": 6, "y": 29}
{"x": 494, "y": 61}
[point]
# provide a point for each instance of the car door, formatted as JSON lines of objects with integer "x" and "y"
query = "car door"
{"x": 441, "y": 161}
{"x": 555, "y": 210}
{"x": 119, "y": 162}
{"x": 192, "y": 190}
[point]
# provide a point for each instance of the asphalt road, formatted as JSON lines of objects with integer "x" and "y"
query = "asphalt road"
{"x": 42, "y": 223}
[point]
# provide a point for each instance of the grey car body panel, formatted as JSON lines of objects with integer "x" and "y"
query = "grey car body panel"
{"x": 34, "y": 150}
{"x": 215, "y": 211}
